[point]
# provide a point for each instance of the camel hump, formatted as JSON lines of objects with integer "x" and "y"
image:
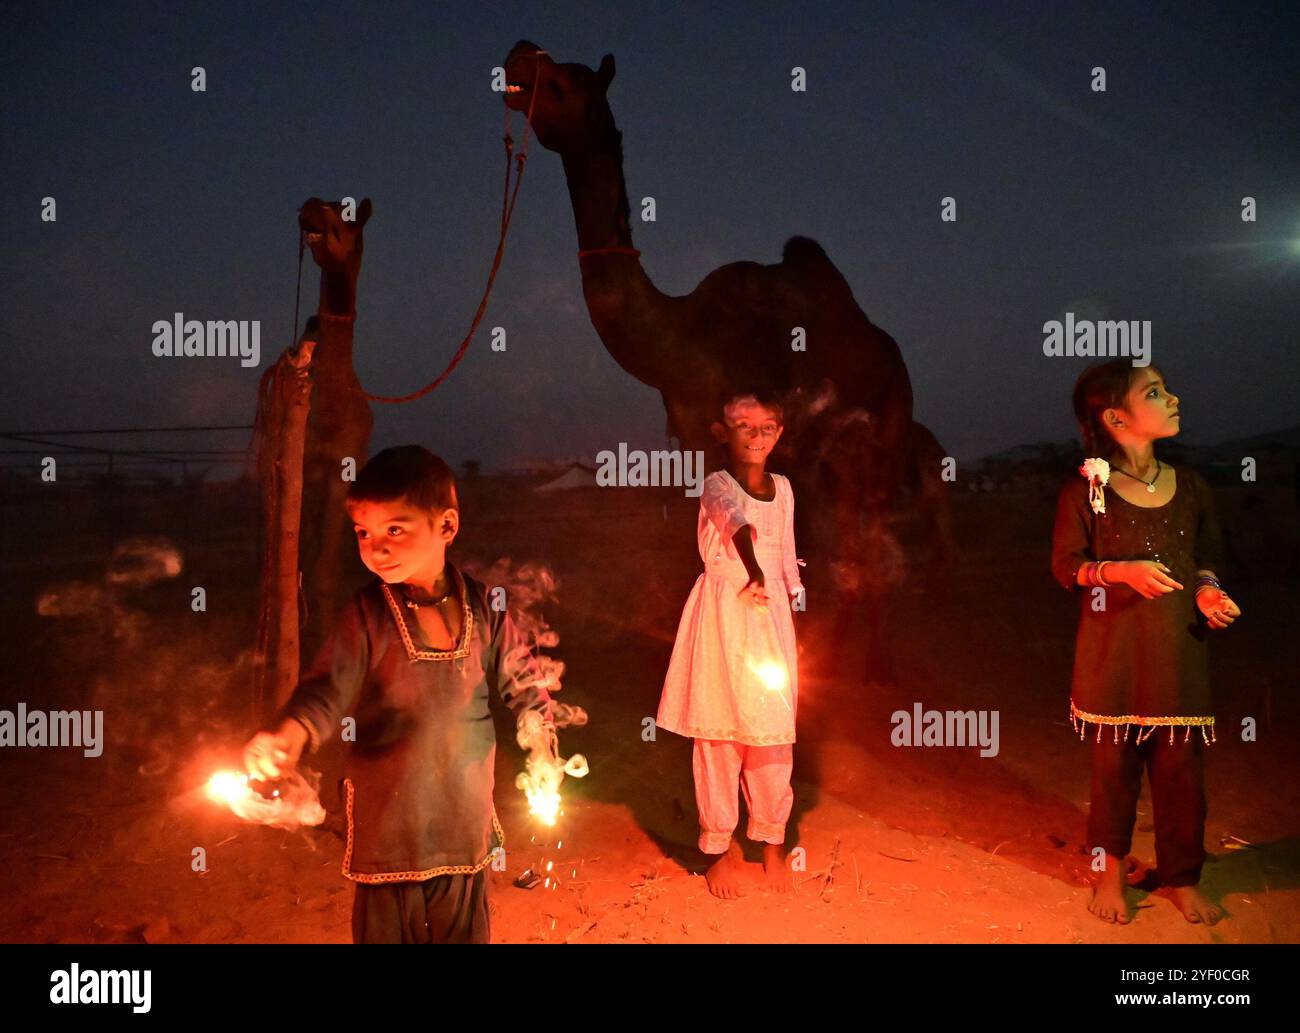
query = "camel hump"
{"x": 799, "y": 249}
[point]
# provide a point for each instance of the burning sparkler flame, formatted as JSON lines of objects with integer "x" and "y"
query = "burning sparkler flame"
{"x": 228, "y": 786}
{"x": 769, "y": 669}
{"x": 292, "y": 804}
{"x": 771, "y": 674}
{"x": 773, "y": 677}
{"x": 543, "y": 803}
{"x": 545, "y": 768}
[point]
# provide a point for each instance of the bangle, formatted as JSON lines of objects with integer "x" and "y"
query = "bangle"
{"x": 1093, "y": 574}
{"x": 1206, "y": 581}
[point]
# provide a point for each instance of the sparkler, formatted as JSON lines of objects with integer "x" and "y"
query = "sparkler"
{"x": 770, "y": 669}
{"x": 287, "y": 803}
{"x": 545, "y": 768}
{"x": 529, "y": 587}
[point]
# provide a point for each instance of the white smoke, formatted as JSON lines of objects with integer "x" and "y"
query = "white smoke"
{"x": 528, "y": 588}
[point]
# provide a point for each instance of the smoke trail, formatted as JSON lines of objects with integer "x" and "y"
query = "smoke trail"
{"x": 528, "y": 588}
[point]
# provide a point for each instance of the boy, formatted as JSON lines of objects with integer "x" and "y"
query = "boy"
{"x": 411, "y": 658}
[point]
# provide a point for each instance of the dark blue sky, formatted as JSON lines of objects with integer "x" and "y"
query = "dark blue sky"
{"x": 1123, "y": 204}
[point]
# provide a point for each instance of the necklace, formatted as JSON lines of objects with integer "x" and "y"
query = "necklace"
{"x": 1151, "y": 484}
{"x": 413, "y": 605}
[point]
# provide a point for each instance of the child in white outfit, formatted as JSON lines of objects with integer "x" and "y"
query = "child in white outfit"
{"x": 732, "y": 683}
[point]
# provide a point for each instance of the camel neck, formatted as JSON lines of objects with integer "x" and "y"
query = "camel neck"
{"x": 629, "y": 313}
{"x": 599, "y": 197}
{"x": 332, "y": 359}
{"x": 338, "y": 293}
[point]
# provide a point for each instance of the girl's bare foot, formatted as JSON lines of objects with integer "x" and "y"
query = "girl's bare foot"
{"x": 776, "y": 876}
{"x": 1108, "y": 901}
{"x": 1194, "y": 905}
{"x": 723, "y": 875}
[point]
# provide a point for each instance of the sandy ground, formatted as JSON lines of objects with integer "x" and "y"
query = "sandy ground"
{"x": 897, "y": 844}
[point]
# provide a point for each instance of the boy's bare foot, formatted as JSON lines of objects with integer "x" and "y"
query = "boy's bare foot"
{"x": 776, "y": 876}
{"x": 1194, "y": 905}
{"x": 1108, "y": 901}
{"x": 723, "y": 875}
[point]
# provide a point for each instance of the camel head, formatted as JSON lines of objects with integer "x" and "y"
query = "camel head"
{"x": 336, "y": 244}
{"x": 570, "y": 111}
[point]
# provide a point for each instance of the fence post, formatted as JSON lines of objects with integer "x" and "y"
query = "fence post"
{"x": 283, "y": 404}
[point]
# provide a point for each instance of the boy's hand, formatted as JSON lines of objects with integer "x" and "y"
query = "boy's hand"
{"x": 1148, "y": 578}
{"x": 755, "y": 591}
{"x": 270, "y": 755}
{"x": 1218, "y": 607}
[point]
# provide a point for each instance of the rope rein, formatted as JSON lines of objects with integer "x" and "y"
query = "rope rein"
{"x": 508, "y": 199}
{"x": 297, "y": 290}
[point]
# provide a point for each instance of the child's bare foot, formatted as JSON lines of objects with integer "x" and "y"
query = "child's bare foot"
{"x": 776, "y": 876}
{"x": 1194, "y": 905}
{"x": 723, "y": 875}
{"x": 1108, "y": 901}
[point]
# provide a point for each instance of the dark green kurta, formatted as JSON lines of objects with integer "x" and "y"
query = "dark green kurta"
{"x": 418, "y": 778}
{"x": 1139, "y": 661}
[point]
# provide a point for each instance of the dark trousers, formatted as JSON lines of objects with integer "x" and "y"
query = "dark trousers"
{"x": 1177, "y": 776}
{"x": 444, "y": 909}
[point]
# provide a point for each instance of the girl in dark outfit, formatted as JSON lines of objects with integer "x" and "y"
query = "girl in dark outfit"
{"x": 1138, "y": 539}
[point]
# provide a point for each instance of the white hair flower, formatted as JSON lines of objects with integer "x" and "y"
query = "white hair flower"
{"x": 1098, "y": 473}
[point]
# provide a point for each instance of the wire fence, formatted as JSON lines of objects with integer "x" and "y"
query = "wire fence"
{"x": 110, "y": 483}
{"x": 79, "y": 450}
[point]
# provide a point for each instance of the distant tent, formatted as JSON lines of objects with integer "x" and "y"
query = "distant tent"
{"x": 576, "y": 476}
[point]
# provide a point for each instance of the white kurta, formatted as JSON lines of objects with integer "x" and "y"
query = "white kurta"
{"x": 712, "y": 690}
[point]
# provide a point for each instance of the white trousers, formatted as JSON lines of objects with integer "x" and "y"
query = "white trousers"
{"x": 762, "y": 772}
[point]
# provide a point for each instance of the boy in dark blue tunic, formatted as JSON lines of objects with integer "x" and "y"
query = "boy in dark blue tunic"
{"x": 410, "y": 659}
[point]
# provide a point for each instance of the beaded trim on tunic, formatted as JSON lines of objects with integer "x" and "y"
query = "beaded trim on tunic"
{"x": 414, "y": 653}
{"x": 427, "y": 873}
{"x": 1146, "y": 726}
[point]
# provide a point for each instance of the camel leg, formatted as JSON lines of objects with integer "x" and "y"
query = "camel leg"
{"x": 933, "y": 498}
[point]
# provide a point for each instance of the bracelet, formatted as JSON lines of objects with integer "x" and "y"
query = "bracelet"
{"x": 1094, "y": 575}
{"x": 1206, "y": 581}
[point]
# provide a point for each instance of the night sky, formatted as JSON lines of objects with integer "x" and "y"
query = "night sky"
{"x": 1121, "y": 205}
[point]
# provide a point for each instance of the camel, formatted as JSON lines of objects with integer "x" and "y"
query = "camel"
{"x": 850, "y": 443}
{"x": 339, "y": 422}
